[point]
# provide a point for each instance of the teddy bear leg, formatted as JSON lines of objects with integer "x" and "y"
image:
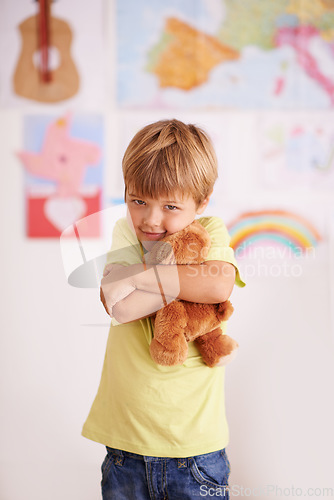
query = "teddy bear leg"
{"x": 217, "y": 349}
{"x": 169, "y": 346}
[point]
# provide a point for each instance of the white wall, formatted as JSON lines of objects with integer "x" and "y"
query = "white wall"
{"x": 279, "y": 389}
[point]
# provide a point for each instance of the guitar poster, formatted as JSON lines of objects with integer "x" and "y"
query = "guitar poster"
{"x": 73, "y": 52}
{"x": 62, "y": 160}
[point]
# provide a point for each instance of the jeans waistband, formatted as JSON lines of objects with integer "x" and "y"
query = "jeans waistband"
{"x": 121, "y": 454}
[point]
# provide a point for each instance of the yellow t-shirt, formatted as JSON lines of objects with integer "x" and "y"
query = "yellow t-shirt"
{"x": 148, "y": 409}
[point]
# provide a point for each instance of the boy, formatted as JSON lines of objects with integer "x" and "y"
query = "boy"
{"x": 164, "y": 427}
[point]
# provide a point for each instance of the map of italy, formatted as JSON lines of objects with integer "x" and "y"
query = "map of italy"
{"x": 185, "y": 57}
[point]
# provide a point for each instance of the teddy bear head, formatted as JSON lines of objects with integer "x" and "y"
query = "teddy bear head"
{"x": 188, "y": 246}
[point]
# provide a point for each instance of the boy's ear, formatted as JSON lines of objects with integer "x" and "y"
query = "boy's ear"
{"x": 203, "y": 204}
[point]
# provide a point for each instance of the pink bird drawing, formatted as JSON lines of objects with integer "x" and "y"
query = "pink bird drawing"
{"x": 63, "y": 159}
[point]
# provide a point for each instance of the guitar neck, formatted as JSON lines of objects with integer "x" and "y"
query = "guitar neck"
{"x": 44, "y": 38}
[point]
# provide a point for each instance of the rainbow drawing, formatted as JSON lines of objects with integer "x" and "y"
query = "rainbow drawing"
{"x": 279, "y": 227}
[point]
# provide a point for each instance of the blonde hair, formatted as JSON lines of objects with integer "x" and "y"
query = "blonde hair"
{"x": 170, "y": 156}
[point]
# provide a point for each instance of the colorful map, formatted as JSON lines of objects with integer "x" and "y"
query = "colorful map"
{"x": 226, "y": 53}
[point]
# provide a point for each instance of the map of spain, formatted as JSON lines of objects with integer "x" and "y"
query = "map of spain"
{"x": 188, "y": 56}
{"x": 227, "y": 53}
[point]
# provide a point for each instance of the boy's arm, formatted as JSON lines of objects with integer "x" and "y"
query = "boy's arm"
{"x": 207, "y": 283}
{"x": 132, "y": 292}
{"x": 138, "y": 305}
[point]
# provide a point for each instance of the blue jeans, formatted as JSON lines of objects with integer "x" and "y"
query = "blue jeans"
{"x": 127, "y": 476}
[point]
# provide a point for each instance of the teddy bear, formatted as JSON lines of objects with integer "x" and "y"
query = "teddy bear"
{"x": 180, "y": 322}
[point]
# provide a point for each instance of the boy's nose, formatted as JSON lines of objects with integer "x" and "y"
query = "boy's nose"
{"x": 152, "y": 218}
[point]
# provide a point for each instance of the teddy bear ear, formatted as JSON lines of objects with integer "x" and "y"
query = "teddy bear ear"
{"x": 161, "y": 253}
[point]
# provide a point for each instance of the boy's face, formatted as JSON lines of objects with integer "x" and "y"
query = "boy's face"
{"x": 154, "y": 218}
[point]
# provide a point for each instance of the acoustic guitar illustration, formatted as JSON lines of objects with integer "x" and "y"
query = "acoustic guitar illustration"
{"x": 34, "y": 76}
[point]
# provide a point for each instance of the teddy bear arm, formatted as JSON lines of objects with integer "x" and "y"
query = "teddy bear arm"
{"x": 224, "y": 310}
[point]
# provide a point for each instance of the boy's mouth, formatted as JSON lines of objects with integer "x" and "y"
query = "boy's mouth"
{"x": 153, "y": 236}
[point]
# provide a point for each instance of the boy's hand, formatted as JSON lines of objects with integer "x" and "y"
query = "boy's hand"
{"x": 103, "y": 300}
{"x": 116, "y": 284}
{"x": 136, "y": 291}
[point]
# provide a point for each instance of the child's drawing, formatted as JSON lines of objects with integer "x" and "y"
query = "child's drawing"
{"x": 61, "y": 186}
{"x": 298, "y": 152}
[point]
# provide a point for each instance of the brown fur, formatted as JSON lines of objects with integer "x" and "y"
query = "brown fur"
{"x": 180, "y": 321}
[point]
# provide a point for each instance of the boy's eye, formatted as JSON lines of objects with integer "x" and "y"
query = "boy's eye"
{"x": 138, "y": 202}
{"x": 171, "y": 207}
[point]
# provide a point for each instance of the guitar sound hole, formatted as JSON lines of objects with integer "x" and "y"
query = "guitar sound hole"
{"x": 54, "y": 58}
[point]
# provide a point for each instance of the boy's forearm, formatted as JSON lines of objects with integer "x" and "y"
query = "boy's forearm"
{"x": 138, "y": 305}
{"x": 210, "y": 283}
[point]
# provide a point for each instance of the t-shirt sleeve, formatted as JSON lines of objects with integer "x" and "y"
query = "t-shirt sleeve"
{"x": 125, "y": 248}
{"x": 220, "y": 244}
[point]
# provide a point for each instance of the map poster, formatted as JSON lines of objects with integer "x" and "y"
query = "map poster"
{"x": 225, "y": 54}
